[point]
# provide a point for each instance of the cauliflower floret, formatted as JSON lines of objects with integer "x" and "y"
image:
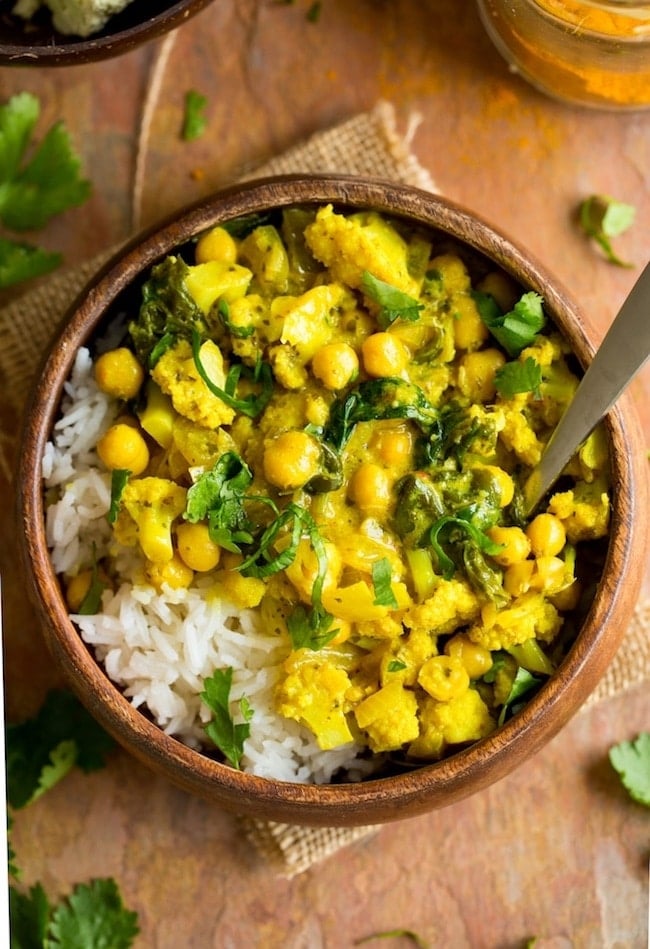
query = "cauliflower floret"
{"x": 74, "y": 17}
{"x": 584, "y": 510}
{"x": 464, "y": 718}
{"x": 389, "y": 717}
{"x": 313, "y": 692}
{"x": 148, "y": 508}
{"x": 351, "y": 245}
{"x": 452, "y": 604}
{"x": 307, "y": 326}
{"x": 177, "y": 375}
{"x": 529, "y": 616}
{"x": 517, "y": 434}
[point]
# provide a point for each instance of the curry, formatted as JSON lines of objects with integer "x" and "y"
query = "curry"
{"x": 331, "y": 414}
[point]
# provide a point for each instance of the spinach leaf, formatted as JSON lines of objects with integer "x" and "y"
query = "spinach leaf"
{"x": 386, "y": 398}
{"x": 168, "y": 311}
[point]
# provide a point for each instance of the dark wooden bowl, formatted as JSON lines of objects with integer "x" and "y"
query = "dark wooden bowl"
{"x": 37, "y": 43}
{"x": 381, "y": 799}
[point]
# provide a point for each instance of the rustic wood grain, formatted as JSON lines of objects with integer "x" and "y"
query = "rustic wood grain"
{"x": 555, "y": 849}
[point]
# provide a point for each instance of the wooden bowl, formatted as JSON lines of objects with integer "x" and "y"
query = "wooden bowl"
{"x": 380, "y": 799}
{"x": 37, "y": 43}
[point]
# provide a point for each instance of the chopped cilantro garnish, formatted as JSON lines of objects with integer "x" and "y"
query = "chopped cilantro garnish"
{"x": 20, "y": 262}
{"x": 381, "y": 576}
{"x": 516, "y": 377}
{"x": 516, "y": 329}
{"x": 41, "y": 750}
{"x": 314, "y": 12}
{"x": 396, "y": 665}
{"x": 91, "y": 917}
{"x": 32, "y": 192}
{"x": 227, "y": 735}
{"x": 602, "y": 218}
{"x": 218, "y": 496}
{"x": 194, "y": 121}
{"x": 119, "y": 479}
{"x": 631, "y": 759}
{"x": 394, "y": 304}
{"x": 522, "y": 686}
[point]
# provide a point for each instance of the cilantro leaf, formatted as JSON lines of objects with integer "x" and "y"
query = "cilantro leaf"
{"x": 195, "y": 122}
{"x": 396, "y": 665}
{"x": 40, "y": 749}
{"x": 631, "y": 759}
{"x": 381, "y": 576}
{"x": 393, "y": 303}
{"x": 49, "y": 183}
{"x": 93, "y": 917}
{"x": 522, "y": 686}
{"x": 602, "y": 218}
{"x": 516, "y": 377}
{"x": 310, "y": 629}
{"x": 20, "y": 261}
{"x": 29, "y": 914}
{"x": 218, "y": 495}
{"x": 228, "y": 736}
{"x": 516, "y": 329}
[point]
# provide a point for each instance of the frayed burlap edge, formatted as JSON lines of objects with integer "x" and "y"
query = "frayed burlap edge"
{"x": 367, "y": 144}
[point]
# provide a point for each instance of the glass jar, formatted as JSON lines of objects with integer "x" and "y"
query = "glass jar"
{"x": 589, "y": 52}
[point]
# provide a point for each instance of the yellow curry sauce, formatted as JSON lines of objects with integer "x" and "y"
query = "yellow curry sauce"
{"x": 331, "y": 417}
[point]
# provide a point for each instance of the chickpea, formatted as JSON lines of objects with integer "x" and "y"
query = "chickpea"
{"x": 291, "y": 459}
{"x": 568, "y": 598}
{"x": 469, "y": 329}
{"x": 443, "y": 677}
{"x": 216, "y": 244}
{"x": 516, "y": 545}
{"x": 196, "y": 548}
{"x": 175, "y": 573}
{"x": 549, "y": 574}
{"x": 335, "y": 365}
{"x": 122, "y": 446}
{"x": 77, "y": 589}
{"x": 476, "y": 659}
{"x": 371, "y": 488}
{"x": 394, "y": 446}
{"x": 118, "y": 373}
{"x": 476, "y": 374}
{"x": 384, "y": 354}
{"x": 546, "y": 534}
{"x": 517, "y": 578}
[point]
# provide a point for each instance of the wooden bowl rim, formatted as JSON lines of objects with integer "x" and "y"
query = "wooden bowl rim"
{"x": 375, "y": 800}
{"x": 62, "y": 50}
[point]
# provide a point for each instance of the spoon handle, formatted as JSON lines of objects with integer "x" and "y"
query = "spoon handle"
{"x": 620, "y": 356}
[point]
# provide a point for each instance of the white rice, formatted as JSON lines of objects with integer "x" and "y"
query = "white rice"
{"x": 160, "y": 647}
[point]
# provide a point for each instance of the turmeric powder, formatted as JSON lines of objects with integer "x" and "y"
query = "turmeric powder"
{"x": 584, "y": 51}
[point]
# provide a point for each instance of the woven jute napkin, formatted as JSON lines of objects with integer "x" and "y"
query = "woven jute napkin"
{"x": 367, "y": 144}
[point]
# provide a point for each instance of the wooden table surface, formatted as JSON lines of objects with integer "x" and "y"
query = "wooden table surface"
{"x": 557, "y": 850}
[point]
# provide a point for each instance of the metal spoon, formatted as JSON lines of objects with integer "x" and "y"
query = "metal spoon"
{"x": 618, "y": 359}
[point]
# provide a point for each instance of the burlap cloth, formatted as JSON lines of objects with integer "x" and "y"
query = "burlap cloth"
{"x": 367, "y": 144}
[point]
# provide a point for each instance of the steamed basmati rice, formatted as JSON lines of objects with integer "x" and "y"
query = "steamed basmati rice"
{"x": 159, "y": 647}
